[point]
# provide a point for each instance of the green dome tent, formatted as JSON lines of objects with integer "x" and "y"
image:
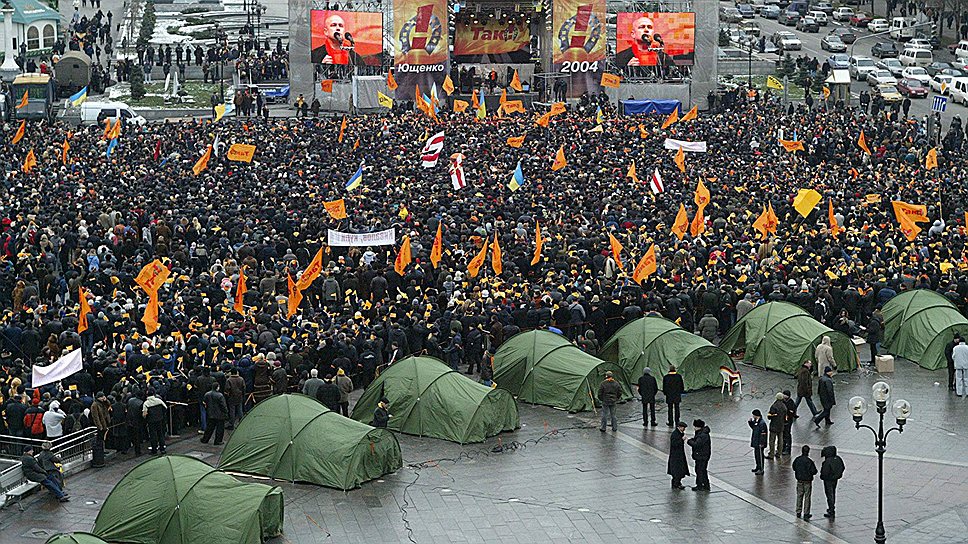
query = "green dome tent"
{"x": 781, "y": 336}
{"x": 75, "y": 538}
{"x": 427, "y": 398}
{"x": 919, "y": 324}
{"x": 295, "y": 438}
{"x": 541, "y": 367}
{"x": 655, "y": 342}
{"x": 180, "y": 500}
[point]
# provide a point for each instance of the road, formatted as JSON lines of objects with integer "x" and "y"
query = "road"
{"x": 862, "y": 47}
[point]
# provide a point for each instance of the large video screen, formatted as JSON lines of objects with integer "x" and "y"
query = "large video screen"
{"x": 507, "y": 42}
{"x": 578, "y": 43}
{"x": 346, "y": 37}
{"x": 655, "y": 39}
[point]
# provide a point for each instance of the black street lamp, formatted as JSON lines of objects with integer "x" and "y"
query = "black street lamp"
{"x": 881, "y": 393}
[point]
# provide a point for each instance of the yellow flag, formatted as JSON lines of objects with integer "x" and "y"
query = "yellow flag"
{"x": 516, "y": 141}
{"x": 646, "y": 266}
{"x": 560, "y": 161}
{"x": 772, "y": 221}
{"x": 909, "y": 228}
{"x": 448, "y": 85}
{"x": 805, "y": 201}
{"x": 672, "y": 119}
{"x": 681, "y": 225}
{"x": 826, "y": 92}
{"x": 391, "y": 82}
{"x": 931, "y": 160}
{"x": 482, "y": 111}
{"x": 774, "y": 83}
{"x": 862, "y": 143}
{"x": 384, "y": 100}
{"x": 477, "y": 262}
{"x": 437, "y": 250}
{"x": 681, "y": 160}
{"x": 611, "y": 80}
{"x": 20, "y": 132}
{"x": 538, "y": 244}
{"x": 202, "y": 163}
{"x": 690, "y": 115}
{"x": 219, "y": 113}
{"x": 516, "y": 83}
{"x": 512, "y": 106}
{"x": 150, "y": 317}
{"x": 496, "y": 263}
{"x": 616, "y": 250}
{"x": 342, "y": 130}
{"x": 631, "y": 173}
{"x": 403, "y": 256}
{"x": 460, "y": 106}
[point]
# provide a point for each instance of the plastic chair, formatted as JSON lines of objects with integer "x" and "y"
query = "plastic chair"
{"x": 730, "y": 377}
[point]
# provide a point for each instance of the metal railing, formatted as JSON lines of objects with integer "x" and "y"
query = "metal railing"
{"x": 70, "y": 447}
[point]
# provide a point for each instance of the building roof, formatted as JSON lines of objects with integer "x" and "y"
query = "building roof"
{"x": 30, "y": 11}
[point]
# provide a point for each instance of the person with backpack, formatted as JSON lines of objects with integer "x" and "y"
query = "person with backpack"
{"x": 34, "y": 421}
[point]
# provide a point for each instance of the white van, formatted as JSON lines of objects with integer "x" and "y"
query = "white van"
{"x": 97, "y": 112}
{"x": 916, "y": 57}
{"x": 902, "y": 28}
{"x": 961, "y": 52}
{"x": 959, "y": 90}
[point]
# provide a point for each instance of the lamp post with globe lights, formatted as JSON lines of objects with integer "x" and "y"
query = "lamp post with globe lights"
{"x": 881, "y": 394}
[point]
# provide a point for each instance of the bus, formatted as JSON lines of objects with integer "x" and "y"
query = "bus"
{"x": 40, "y": 89}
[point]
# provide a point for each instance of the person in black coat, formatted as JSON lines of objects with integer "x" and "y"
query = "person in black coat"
{"x": 825, "y": 390}
{"x": 831, "y": 471}
{"x": 758, "y": 439}
{"x": 701, "y": 452}
{"x": 328, "y": 393}
{"x": 381, "y": 416}
{"x": 647, "y": 389}
{"x": 672, "y": 388}
{"x": 217, "y": 411}
{"x": 804, "y": 470}
{"x": 678, "y": 467}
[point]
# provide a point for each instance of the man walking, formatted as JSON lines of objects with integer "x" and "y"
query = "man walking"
{"x": 678, "y": 467}
{"x": 609, "y": 392}
{"x": 949, "y": 357}
{"x": 217, "y": 411}
{"x": 825, "y": 390}
{"x": 805, "y": 388}
{"x": 672, "y": 388}
{"x": 701, "y": 452}
{"x": 758, "y": 439}
{"x": 960, "y": 356}
{"x": 804, "y": 469}
{"x": 831, "y": 470}
{"x": 648, "y": 389}
{"x": 777, "y": 416}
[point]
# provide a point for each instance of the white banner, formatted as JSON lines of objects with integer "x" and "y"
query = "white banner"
{"x": 693, "y": 147}
{"x": 60, "y": 369}
{"x": 381, "y": 238}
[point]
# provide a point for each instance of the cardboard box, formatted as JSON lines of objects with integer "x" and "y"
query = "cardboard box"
{"x": 884, "y": 363}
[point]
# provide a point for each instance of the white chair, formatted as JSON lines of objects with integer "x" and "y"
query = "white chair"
{"x": 730, "y": 378}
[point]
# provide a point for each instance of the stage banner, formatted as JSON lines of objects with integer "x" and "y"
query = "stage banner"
{"x": 343, "y": 239}
{"x": 579, "y": 43}
{"x": 421, "y": 58}
{"x": 493, "y": 42}
{"x": 346, "y": 37}
{"x": 655, "y": 39}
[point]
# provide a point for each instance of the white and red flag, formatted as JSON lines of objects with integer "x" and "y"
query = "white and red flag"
{"x": 431, "y": 150}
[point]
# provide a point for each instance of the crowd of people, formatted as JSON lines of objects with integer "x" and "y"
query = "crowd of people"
{"x": 83, "y": 220}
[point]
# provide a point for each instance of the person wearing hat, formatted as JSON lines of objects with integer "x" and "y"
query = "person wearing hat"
{"x": 34, "y": 472}
{"x": 345, "y": 385}
{"x": 777, "y": 416}
{"x": 702, "y": 451}
{"x": 647, "y": 390}
{"x": 758, "y": 440}
{"x": 825, "y": 390}
{"x": 609, "y": 393}
{"x": 677, "y": 466}
{"x": 328, "y": 394}
{"x": 381, "y": 416}
{"x": 672, "y": 388}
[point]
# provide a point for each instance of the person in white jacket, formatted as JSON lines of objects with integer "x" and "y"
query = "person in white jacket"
{"x": 960, "y": 356}
{"x": 824, "y": 354}
{"x": 53, "y": 420}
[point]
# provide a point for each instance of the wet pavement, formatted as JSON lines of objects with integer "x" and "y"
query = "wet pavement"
{"x": 558, "y": 479}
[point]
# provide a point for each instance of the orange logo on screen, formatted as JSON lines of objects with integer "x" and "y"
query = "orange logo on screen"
{"x": 583, "y": 30}
{"x": 422, "y": 31}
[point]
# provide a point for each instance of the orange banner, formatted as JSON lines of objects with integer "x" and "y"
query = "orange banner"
{"x": 241, "y": 152}
{"x": 511, "y": 39}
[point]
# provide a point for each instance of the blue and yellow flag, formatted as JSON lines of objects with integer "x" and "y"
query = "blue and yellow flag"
{"x": 517, "y": 179}
{"x": 111, "y": 145}
{"x": 356, "y": 179}
{"x": 78, "y": 98}
{"x": 599, "y": 118}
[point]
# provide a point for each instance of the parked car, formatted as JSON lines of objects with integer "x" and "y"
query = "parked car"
{"x": 838, "y": 61}
{"x": 916, "y": 72}
{"x": 730, "y": 15}
{"x": 746, "y": 11}
{"x": 941, "y": 83}
{"x": 883, "y": 50}
{"x": 842, "y": 14}
{"x": 888, "y": 93}
{"x": 936, "y": 67}
{"x": 845, "y": 35}
{"x": 825, "y": 7}
{"x": 770, "y": 12}
{"x": 808, "y": 24}
{"x": 788, "y": 18}
{"x": 878, "y": 25}
{"x": 831, "y": 42}
{"x": 860, "y": 20}
{"x": 757, "y": 5}
{"x": 933, "y": 40}
{"x": 953, "y": 72}
{"x": 960, "y": 49}
{"x": 892, "y": 65}
{"x": 751, "y": 28}
{"x": 787, "y": 41}
{"x": 912, "y": 88}
{"x": 918, "y": 43}
{"x": 881, "y": 77}
{"x": 860, "y": 67}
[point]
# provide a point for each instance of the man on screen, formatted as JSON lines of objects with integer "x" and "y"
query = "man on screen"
{"x": 647, "y": 47}
{"x": 338, "y": 45}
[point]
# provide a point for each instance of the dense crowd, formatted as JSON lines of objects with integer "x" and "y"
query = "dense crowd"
{"x": 96, "y": 221}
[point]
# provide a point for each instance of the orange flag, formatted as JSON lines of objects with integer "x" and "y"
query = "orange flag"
{"x": 295, "y": 297}
{"x": 761, "y": 224}
{"x": 646, "y": 266}
{"x": 326, "y": 85}
{"x": 202, "y": 163}
{"x": 65, "y": 147}
{"x": 30, "y": 161}
{"x": 772, "y": 221}
{"x": 403, "y": 256}
{"x": 672, "y": 119}
{"x": 475, "y": 103}
{"x": 516, "y": 141}
{"x": 85, "y": 309}
{"x": 616, "y": 250}
{"x": 437, "y": 250}
{"x": 477, "y": 262}
{"x": 336, "y": 209}
{"x": 681, "y": 225}
{"x": 460, "y": 106}
{"x": 504, "y": 96}
{"x": 150, "y": 319}
{"x": 631, "y": 173}
{"x": 834, "y": 227}
{"x": 448, "y": 85}
{"x": 342, "y": 130}
{"x": 701, "y": 198}
{"x": 558, "y": 108}
{"x": 240, "y": 291}
{"x": 690, "y": 115}
{"x": 544, "y": 120}
{"x": 914, "y": 213}
{"x": 792, "y": 145}
{"x": 560, "y": 161}
{"x": 312, "y": 271}
{"x": 680, "y": 160}
{"x": 107, "y": 129}
{"x": 538, "y": 243}
{"x": 698, "y": 225}
{"x": 20, "y": 132}
{"x": 496, "y": 257}
{"x": 115, "y": 130}
{"x": 611, "y": 80}
{"x": 391, "y": 83}
{"x": 862, "y": 143}
{"x": 152, "y": 276}
{"x": 23, "y": 101}
{"x": 516, "y": 83}
{"x": 909, "y": 228}
{"x": 930, "y": 161}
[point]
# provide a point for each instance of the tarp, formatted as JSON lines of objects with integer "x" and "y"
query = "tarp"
{"x": 178, "y": 499}
{"x": 781, "y": 336}
{"x": 295, "y": 438}
{"x": 656, "y": 343}
{"x": 919, "y": 324}
{"x": 75, "y": 538}
{"x": 542, "y": 367}
{"x": 635, "y": 107}
{"x": 427, "y": 398}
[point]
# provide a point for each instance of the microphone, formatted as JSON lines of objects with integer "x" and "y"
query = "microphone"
{"x": 349, "y": 37}
{"x": 658, "y": 39}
